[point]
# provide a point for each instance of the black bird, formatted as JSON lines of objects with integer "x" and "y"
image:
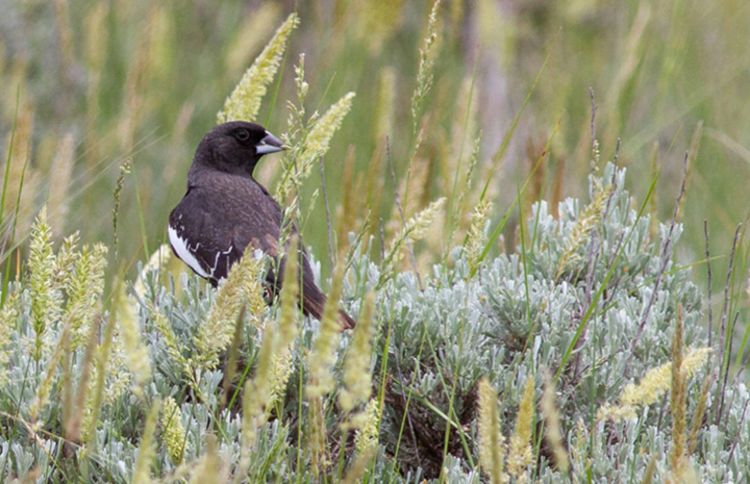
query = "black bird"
{"x": 225, "y": 210}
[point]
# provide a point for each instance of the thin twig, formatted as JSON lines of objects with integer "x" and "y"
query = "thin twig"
{"x": 605, "y": 214}
{"x": 730, "y": 332}
{"x": 666, "y": 256}
{"x": 392, "y": 173}
{"x": 592, "y": 126}
{"x": 618, "y": 148}
{"x": 730, "y": 270}
{"x": 724, "y": 316}
{"x": 737, "y": 441}
{"x": 230, "y": 368}
{"x": 708, "y": 288}
{"x": 381, "y": 236}
{"x": 331, "y": 249}
{"x": 397, "y": 201}
{"x": 33, "y": 435}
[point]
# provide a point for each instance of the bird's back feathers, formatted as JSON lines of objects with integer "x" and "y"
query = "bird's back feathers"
{"x": 220, "y": 217}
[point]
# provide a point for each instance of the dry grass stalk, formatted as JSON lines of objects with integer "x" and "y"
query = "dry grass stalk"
{"x": 57, "y": 200}
{"x": 412, "y": 230}
{"x": 315, "y": 144}
{"x": 172, "y": 430}
{"x": 553, "y": 432}
{"x": 653, "y": 203}
{"x": 93, "y": 404}
{"x": 678, "y": 402}
{"x": 256, "y": 27}
{"x": 84, "y": 289}
{"x": 368, "y": 433}
{"x": 95, "y": 55}
{"x": 654, "y": 384}
{"x": 244, "y": 102}
{"x": 135, "y": 91}
{"x": 695, "y": 142}
{"x": 535, "y": 157}
{"x": 383, "y": 130}
{"x": 376, "y": 21}
{"x": 464, "y": 196}
{"x": 241, "y": 288}
{"x": 22, "y": 179}
{"x": 45, "y": 297}
{"x": 491, "y": 441}
{"x": 136, "y": 353}
{"x": 210, "y": 467}
{"x": 146, "y": 450}
{"x": 700, "y": 412}
{"x": 427, "y": 55}
{"x": 357, "y": 379}
{"x": 476, "y": 237}
{"x": 125, "y": 168}
{"x": 73, "y": 425}
{"x": 519, "y": 448}
{"x": 65, "y": 36}
{"x": 320, "y": 380}
{"x": 558, "y": 183}
{"x": 282, "y": 355}
{"x": 462, "y": 131}
{"x": 274, "y": 364}
{"x": 8, "y": 316}
{"x": 255, "y": 399}
{"x": 648, "y": 476}
{"x": 352, "y": 203}
{"x": 357, "y": 470}
{"x": 587, "y": 220}
{"x": 323, "y": 355}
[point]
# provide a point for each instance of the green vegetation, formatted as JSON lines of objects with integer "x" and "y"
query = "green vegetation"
{"x": 506, "y": 332}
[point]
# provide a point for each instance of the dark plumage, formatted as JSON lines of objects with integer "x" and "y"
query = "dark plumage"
{"x": 225, "y": 209}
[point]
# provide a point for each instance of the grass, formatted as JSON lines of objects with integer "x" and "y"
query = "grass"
{"x": 439, "y": 192}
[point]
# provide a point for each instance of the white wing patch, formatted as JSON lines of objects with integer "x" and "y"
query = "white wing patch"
{"x": 216, "y": 260}
{"x": 183, "y": 252}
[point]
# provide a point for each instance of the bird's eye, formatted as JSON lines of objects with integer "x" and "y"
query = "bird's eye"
{"x": 242, "y": 134}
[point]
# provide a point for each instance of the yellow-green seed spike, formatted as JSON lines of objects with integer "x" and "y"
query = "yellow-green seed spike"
{"x": 491, "y": 442}
{"x": 244, "y": 102}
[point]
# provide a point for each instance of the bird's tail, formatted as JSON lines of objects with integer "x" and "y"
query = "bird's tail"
{"x": 313, "y": 303}
{"x": 346, "y": 321}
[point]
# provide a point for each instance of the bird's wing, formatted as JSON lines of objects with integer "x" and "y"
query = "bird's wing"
{"x": 210, "y": 229}
{"x": 192, "y": 240}
{"x": 213, "y": 226}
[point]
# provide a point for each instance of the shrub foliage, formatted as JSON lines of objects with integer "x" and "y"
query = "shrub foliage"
{"x": 583, "y": 352}
{"x": 80, "y": 397}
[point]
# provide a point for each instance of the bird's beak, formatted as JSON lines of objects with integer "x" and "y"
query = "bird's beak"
{"x": 269, "y": 144}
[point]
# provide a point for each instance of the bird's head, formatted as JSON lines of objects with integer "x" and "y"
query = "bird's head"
{"x": 236, "y": 147}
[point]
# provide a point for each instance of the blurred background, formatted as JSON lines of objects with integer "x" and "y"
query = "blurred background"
{"x": 91, "y": 85}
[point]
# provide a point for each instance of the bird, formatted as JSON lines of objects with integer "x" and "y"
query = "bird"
{"x": 227, "y": 213}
